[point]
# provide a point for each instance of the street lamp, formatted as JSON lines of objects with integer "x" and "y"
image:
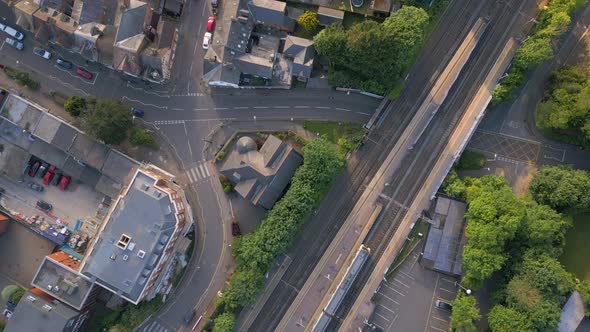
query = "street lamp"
{"x": 467, "y": 290}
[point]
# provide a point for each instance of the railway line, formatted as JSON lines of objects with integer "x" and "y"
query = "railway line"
{"x": 307, "y": 251}
{"x": 416, "y": 166}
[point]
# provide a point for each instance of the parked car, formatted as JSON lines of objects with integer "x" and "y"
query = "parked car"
{"x": 64, "y": 63}
{"x": 12, "y": 32}
{"x": 235, "y": 229}
{"x": 42, "y": 53}
{"x": 64, "y": 183}
{"x": 42, "y": 170}
{"x": 10, "y": 306}
{"x": 2, "y": 191}
{"x": 444, "y": 305}
{"x": 84, "y": 73}
{"x": 34, "y": 168}
{"x": 7, "y": 313}
{"x": 206, "y": 40}
{"x": 214, "y": 3}
{"x": 48, "y": 177}
{"x": 35, "y": 186}
{"x": 137, "y": 112}
{"x": 56, "y": 178}
{"x": 15, "y": 43}
{"x": 44, "y": 205}
{"x": 211, "y": 23}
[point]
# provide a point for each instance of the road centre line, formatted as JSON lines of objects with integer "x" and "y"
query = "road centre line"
{"x": 144, "y": 104}
{"x": 177, "y": 109}
{"x": 220, "y": 108}
{"x": 281, "y": 106}
{"x": 363, "y": 113}
{"x": 260, "y": 107}
{"x": 322, "y": 107}
{"x": 241, "y": 108}
{"x": 343, "y": 109}
{"x": 301, "y": 106}
{"x": 200, "y": 109}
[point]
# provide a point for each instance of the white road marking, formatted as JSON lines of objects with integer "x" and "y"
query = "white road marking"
{"x": 386, "y": 308}
{"x": 207, "y": 170}
{"x": 387, "y": 320}
{"x": 195, "y": 174}
{"x": 395, "y": 279}
{"x": 241, "y": 108}
{"x": 343, "y": 109}
{"x": 436, "y": 328}
{"x": 281, "y": 107}
{"x": 190, "y": 176}
{"x": 147, "y": 92}
{"x": 200, "y": 109}
{"x": 444, "y": 320}
{"x": 177, "y": 109}
{"x": 220, "y": 108}
{"x": 363, "y": 113}
{"x": 407, "y": 275}
{"x": 70, "y": 85}
{"x": 199, "y": 172}
{"x": 301, "y": 107}
{"x": 448, "y": 280}
{"x": 144, "y": 104}
{"x": 322, "y": 107}
{"x": 446, "y": 290}
{"x": 260, "y": 107}
{"x": 1, "y": 47}
{"x": 203, "y": 170}
{"x": 389, "y": 298}
{"x": 393, "y": 289}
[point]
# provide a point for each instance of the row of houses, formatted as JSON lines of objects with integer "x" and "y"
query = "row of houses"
{"x": 132, "y": 36}
{"x": 254, "y": 40}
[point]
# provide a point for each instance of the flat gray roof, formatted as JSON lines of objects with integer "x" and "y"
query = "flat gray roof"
{"x": 66, "y": 285}
{"x": 34, "y": 313}
{"x": 146, "y": 216}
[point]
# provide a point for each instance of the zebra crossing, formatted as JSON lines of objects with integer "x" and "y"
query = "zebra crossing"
{"x": 154, "y": 326}
{"x": 199, "y": 172}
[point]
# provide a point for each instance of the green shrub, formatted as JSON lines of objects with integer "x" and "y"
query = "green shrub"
{"x": 75, "y": 105}
{"x": 17, "y": 295}
{"x": 23, "y": 78}
{"x": 471, "y": 160}
{"x": 143, "y": 137}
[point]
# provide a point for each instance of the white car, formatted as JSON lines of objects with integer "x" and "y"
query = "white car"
{"x": 13, "y": 33}
{"x": 206, "y": 40}
{"x": 42, "y": 53}
{"x": 14, "y": 43}
{"x": 7, "y": 313}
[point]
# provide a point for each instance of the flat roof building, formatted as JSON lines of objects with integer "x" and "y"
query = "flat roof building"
{"x": 137, "y": 238}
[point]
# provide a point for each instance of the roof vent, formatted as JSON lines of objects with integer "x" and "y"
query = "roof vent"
{"x": 123, "y": 241}
{"x": 141, "y": 254}
{"x": 114, "y": 256}
{"x": 46, "y": 307}
{"x": 56, "y": 289}
{"x": 131, "y": 246}
{"x": 125, "y": 257}
{"x": 49, "y": 287}
{"x": 145, "y": 187}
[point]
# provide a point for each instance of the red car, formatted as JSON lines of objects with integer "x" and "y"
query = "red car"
{"x": 211, "y": 24}
{"x": 84, "y": 73}
{"x": 63, "y": 184}
{"x": 47, "y": 178}
{"x": 34, "y": 168}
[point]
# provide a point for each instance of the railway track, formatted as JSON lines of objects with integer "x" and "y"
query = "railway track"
{"x": 406, "y": 184}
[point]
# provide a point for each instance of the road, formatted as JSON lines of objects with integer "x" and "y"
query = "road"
{"x": 185, "y": 113}
{"x": 458, "y": 17}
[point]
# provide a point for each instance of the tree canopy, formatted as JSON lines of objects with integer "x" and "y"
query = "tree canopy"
{"x": 109, "y": 121}
{"x": 309, "y": 20}
{"x": 225, "y": 322}
{"x": 75, "y": 105}
{"x": 502, "y": 319}
{"x": 561, "y": 187}
{"x": 373, "y": 56}
{"x": 465, "y": 313}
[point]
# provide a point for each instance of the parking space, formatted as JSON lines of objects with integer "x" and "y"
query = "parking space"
{"x": 406, "y": 301}
{"x": 505, "y": 146}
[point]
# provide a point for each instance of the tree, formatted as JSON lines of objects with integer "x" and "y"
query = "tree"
{"x": 548, "y": 276}
{"x": 17, "y": 295}
{"x": 584, "y": 289}
{"x": 522, "y": 295}
{"x": 544, "y": 229}
{"x": 331, "y": 43}
{"x": 8, "y": 291}
{"x": 503, "y": 319}
{"x": 545, "y": 316}
{"x": 532, "y": 52}
{"x": 242, "y": 289}
{"x": 561, "y": 187}
{"x": 224, "y": 322}
{"x": 309, "y": 20}
{"x": 465, "y": 312}
{"x": 75, "y": 105}
{"x": 109, "y": 121}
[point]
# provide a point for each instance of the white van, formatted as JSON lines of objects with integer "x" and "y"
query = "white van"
{"x": 12, "y": 32}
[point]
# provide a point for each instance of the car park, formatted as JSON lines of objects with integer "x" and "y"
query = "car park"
{"x": 64, "y": 183}
{"x": 35, "y": 186}
{"x": 84, "y": 73}
{"x": 64, "y": 63}
{"x": 44, "y": 205}
{"x": 13, "y": 32}
{"x": 206, "y": 40}
{"x": 15, "y": 43}
{"x": 211, "y": 23}
{"x": 42, "y": 170}
{"x": 137, "y": 112}
{"x": 48, "y": 177}
{"x": 444, "y": 305}
{"x": 42, "y": 53}
{"x": 34, "y": 168}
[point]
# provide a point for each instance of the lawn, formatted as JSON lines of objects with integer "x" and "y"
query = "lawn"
{"x": 346, "y": 135}
{"x": 576, "y": 251}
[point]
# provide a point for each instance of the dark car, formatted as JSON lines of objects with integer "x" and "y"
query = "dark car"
{"x": 444, "y": 305}
{"x": 188, "y": 317}
{"x": 35, "y": 186}
{"x": 44, "y": 205}
{"x": 64, "y": 63}
{"x": 2, "y": 191}
{"x": 56, "y": 178}
{"x": 137, "y": 112}
{"x": 34, "y": 168}
{"x": 235, "y": 229}
{"x": 84, "y": 73}
{"x": 42, "y": 170}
